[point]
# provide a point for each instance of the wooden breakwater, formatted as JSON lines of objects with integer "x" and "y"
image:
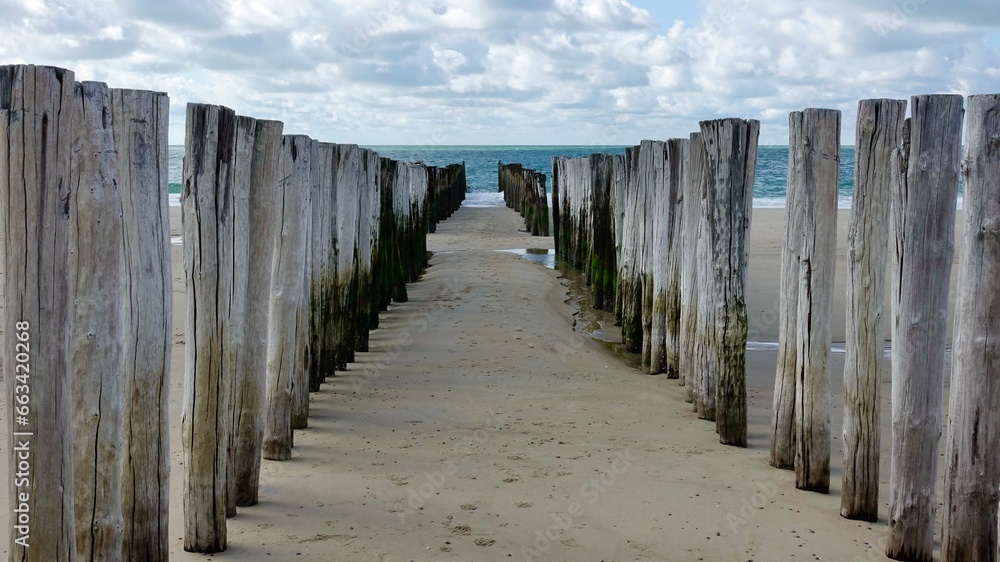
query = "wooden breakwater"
{"x": 692, "y": 203}
{"x": 524, "y": 191}
{"x": 291, "y": 247}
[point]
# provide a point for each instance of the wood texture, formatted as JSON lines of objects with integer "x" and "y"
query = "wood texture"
{"x": 235, "y": 348}
{"x": 207, "y": 206}
{"x": 783, "y": 407}
{"x": 924, "y": 222}
{"x": 730, "y": 164}
{"x": 878, "y": 144}
{"x": 36, "y": 121}
{"x": 251, "y": 384}
{"x": 97, "y": 272}
{"x": 694, "y": 167}
{"x": 288, "y": 273}
{"x": 816, "y": 165}
{"x": 972, "y": 474}
{"x": 676, "y": 151}
{"x": 140, "y": 120}
{"x": 303, "y": 337}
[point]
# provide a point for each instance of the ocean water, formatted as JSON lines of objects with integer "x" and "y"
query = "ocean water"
{"x": 481, "y": 167}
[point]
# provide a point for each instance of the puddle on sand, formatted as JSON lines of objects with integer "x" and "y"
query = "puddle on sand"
{"x": 537, "y": 255}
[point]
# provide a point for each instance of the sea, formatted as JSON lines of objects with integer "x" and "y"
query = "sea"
{"x": 481, "y": 168}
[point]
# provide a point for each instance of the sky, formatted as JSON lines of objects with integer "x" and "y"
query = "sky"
{"x": 567, "y": 72}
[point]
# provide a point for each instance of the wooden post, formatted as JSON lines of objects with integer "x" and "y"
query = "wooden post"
{"x": 140, "y": 120}
{"x": 706, "y": 363}
{"x": 878, "y": 145}
{"x": 348, "y": 188}
{"x": 251, "y": 381}
{"x": 237, "y": 241}
{"x": 676, "y": 150}
{"x": 206, "y": 203}
{"x": 651, "y": 181}
{"x": 972, "y": 475}
{"x": 36, "y": 124}
{"x": 300, "y": 388}
{"x": 730, "y": 163}
{"x": 783, "y": 409}
{"x": 694, "y": 175}
{"x": 556, "y": 216}
{"x": 924, "y": 219}
{"x": 601, "y": 259}
{"x": 323, "y": 244}
{"x": 817, "y": 167}
{"x": 288, "y": 267}
{"x": 661, "y": 217}
{"x": 97, "y": 271}
{"x": 631, "y": 267}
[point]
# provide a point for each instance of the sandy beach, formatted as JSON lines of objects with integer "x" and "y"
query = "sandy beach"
{"x": 481, "y": 426}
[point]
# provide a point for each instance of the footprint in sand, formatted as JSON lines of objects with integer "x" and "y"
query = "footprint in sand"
{"x": 524, "y": 504}
{"x": 510, "y": 480}
{"x": 469, "y": 507}
{"x": 462, "y": 530}
{"x": 485, "y": 542}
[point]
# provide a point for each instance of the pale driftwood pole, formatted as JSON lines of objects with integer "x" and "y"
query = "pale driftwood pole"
{"x": 676, "y": 151}
{"x": 348, "y": 189}
{"x": 97, "y": 271}
{"x": 140, "y": 121}
{"x": 36, "y": 122}
{"x": 287, "y": 287}
{"x": 206, "y": 211}
{"x": 925, "y": 234}
{"x": 694, "y": 168}
{"x": 817, "y": 194}
{"x": 783, "y": 405}
{"x": 972, "y": 475}
{"x": 300, "y": 390}
{"x": 878, "y": 145}
{"x": 706, "y": 365}
{"x": 235, "y": 349}
{"x": 730, "y": 163}
{"x": 661, "y": 217}
{"x": 251, "y": 381}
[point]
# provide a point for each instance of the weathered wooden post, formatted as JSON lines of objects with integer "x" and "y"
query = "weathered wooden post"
{"x": 601, "y": 261}
{"x": 288, "y": 269}
{"x": 300, "y": 388}
{"x": 878, "y": 145}
{"x": 237, "y": 241}
{"x": 972, "y": 476}
{"x": 36, "y": 124}
{"x": 924, "y": 223}
{"x": 676, "y": 150}
{"x": 206, "y": 204}
{"x": 783, "y": 410}
{"x": 730, "y": 163}
{"x": 639, "y": 162}
{"x": 97, "y": 273}
{"x": 140, "y": 120}
{"x": 694, "y": 175}
{"x": 661, "y": 215}
{"x": 817, "y": 161}
{"x": 556, "y": 216}
{"x": 322, "y": 362}
{"x": 251, "y": 381}
{"x": 348, "y": 188}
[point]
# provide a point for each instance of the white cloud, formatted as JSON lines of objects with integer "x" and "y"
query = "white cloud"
{"x": 502, "y": 71}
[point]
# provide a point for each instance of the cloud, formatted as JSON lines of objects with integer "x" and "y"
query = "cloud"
{"x": 496, "y": 71}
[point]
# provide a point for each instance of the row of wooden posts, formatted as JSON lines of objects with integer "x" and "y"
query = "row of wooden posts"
{"x": 524, "y": 191}
{"x": 661, "y": 233}
{"x": 291, "y": 248}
